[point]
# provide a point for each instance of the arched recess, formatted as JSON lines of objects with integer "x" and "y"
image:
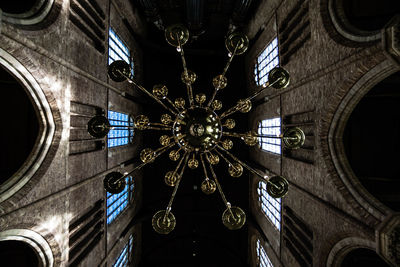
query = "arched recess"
{"x": 357, "y": 22}
{"x": 46, "y": 127}
{"x": 371, "y": 141}
{"x": 30, "y": 14}
{"x": 34, "y": 240}
{"x": 347, "y": 248}
{"x": 352, "y": 185}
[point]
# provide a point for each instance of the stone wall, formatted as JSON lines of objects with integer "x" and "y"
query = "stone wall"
{"x": 73, "y": 75}
{"x": 322, "y": 72}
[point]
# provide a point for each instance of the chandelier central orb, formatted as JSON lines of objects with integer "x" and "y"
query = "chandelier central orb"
{"x": 197, "y": 129}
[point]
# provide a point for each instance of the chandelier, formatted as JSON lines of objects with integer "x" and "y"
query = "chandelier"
{"x": 198, "y": 132}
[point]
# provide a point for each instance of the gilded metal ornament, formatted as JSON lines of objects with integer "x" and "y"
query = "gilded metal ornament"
{"x": 220, "y": 82}
{"x": 160, "y": 91}
{"x": 147, "y": 155}
{"x": 293, "y": 138}
{"x": 250, "y": 139}
{"x": 234, "y": 218}
{"x": 216, "y": 105}
{"x": 227, "y": 144}
{"x": 113, "y": 182}
{"x": 208, "y": 186}
{"x": 235, "y": 170}
{"x": 162, "y": 223}
{"x": 98, "y": 126}
{"x": 174, "y": 155}
{"x": 237, "y": 43}
{"x": 176, "y": 35}
{"x": 170, "y": 179}
{"x": 200, "y": 98}
{"x": 180, "y": 102}
{"x": 165, "y": 140}
{"x": 279, "y": 78}
{"x": 277, "y": 186}
{"x": 245, "y": 105}
{"x": 119, "y": 70}
{"x": 142, "y": 122}
{"x": 166, "y": 119}
{"x": 213, "y": 159}
{"x": 200, "y": 129}
{"x": 188, "y": 79}
{"x": 230, "y": 123}
{"x": 193, "y": 163}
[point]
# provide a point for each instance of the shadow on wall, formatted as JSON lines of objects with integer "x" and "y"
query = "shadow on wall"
{"x": 371, "y": 141}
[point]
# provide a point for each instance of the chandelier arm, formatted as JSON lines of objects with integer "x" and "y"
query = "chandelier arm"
{"x": 240, "y": 135}
{"x": 227, "y": 204}
{"x": 228, "y": 63}
{"x": 238, "y": 106}
{"x": 264, "y": 177}
{"x": 157, "y": 153}
{"x": 130, "y": 80}
{"x": 212, "y": 97}
{"x": 225, "y": 158}
{"x": 186, "y": 156}
{"x": 204, "y": 165}
{"x": 172, "y": 104}
{"x": 157, "y": 128}
{"x": 162, "y": 149}
{"x": 188, "y": 86}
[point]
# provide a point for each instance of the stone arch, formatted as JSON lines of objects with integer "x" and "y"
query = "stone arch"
{"x": 46, "y": 127}
{"x": 344, "y": 246}
{"x": 340, "y": 20}
{"x": 32, "y": 14}
{"x": 34, "y": 240}
{"x": 333, "y": 124}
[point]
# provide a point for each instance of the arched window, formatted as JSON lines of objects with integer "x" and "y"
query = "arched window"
{"x": 124, "y": 258}
{"x": 118, "y": 50}
{"x": 116, "y": 203}
{"x": 263, "y": 260}
{"x": 267, "y": 60}
{"x": 270, "y": 127}
{"x": 270, "y": 206}
{"x": 119, "y": 136}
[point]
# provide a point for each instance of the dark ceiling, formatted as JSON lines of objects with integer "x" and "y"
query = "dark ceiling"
{"x": 199, "y": 239}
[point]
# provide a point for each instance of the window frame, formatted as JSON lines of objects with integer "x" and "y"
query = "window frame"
{"x": 270, "y": 204}
{"x": 130, "y": 132}
{"x": 128, "y": 192}
{"x": 121, "y": 45}
{"x": 276, "y": 130}
{"x": 258, "y": 79}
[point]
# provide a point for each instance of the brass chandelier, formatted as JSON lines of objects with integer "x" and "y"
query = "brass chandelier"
{"x": 197, "y": 131}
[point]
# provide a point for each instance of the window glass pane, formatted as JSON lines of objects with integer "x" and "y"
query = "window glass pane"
{"x": 270, "y": 127}
{"x": 267, "y": 60}
{"x": 270, "y": 206}
{"x": 263, "y": 259}
{"x": 117, "y": 50}
{"x": 124, "y": 256}
{"x": 119, "y": 136}
{"x": 116, "y": 203}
